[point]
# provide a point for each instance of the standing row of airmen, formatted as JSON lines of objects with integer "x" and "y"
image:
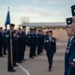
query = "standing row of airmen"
{"x": 17, "y": 40}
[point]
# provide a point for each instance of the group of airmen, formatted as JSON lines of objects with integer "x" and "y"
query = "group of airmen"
{"x": 2, "y": 42}
{"x": 69, "y": 68}
{"x": 15, "y": 42}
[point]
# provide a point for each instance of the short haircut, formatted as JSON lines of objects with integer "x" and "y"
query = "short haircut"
{"x": 51, "y": 31}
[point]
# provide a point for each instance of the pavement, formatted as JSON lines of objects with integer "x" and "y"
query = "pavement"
{"x": 38, "y": 65}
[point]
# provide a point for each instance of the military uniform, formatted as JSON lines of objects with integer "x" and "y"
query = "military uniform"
{"x": 50, "y": 47}
{"x": 32, "y": 44}
{"x": 4, "y": 45}
{"x": 71, "y": 69}
{"x": 1, "y": 44}
{"x": 31, "y": 37}
{"x": 15, "y": 48}
{"x": 70, "y": 53}
{"x": 40, "y": 42}
{"x": 67, "y": 58}
{"x": 10, "y": 54}
{"x": 70, "y": 57}
{"x": 24, "y": 37}
{"x": 20, "y": 50}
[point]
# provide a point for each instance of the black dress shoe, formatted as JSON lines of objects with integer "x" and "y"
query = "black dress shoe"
{"x": 49, "y": 70}
{"x": 31, "y": 57}
{"x": 1, "y": 55}
{"x": 24, "y": 59}
{"x": 39, "y": 54}
{"x": 15, "y": 65}
{"x": 35, "y": 55}
{"x": 20, "y": 62}
{"x": 11, "y": 70}
{"x": 5, "y": 54}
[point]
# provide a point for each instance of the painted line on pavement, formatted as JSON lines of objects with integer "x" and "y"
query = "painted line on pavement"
{"x": 27, "y": 73}
{"x": 23, "y": 69}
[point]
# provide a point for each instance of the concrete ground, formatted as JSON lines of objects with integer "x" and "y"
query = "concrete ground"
{"x": 38, "y": 65}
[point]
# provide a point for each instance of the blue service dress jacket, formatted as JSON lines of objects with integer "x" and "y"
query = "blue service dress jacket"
{"x": 70, "y": 58}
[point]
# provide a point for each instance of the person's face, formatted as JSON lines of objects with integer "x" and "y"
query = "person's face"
{"x": 50, "y": 34}
{"x": 69, "y": 30}
{"x": 0, "y": 30}
{"x": 42, "y": 32}
{"x": 34, "y": 31}
{"x": 31, "y": 31}
{"x": 47, "y": 33}
{"x": 24, "y": 28}
{"x": 11, "y": 28}
{"x": 74, "y": 19}
{"x": 19, "y": 30}
{"x": 74, "y": 29}
{"x": 39, "y": 32}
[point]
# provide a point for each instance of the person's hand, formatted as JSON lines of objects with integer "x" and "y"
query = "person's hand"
{"x": 43, "y": 49}
{"x": 17, "y": 36}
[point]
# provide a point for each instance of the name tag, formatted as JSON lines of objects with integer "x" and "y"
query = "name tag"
{"x": 7, "y": 35}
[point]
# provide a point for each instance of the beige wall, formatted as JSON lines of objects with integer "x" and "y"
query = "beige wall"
{"x": 60, "y": 34}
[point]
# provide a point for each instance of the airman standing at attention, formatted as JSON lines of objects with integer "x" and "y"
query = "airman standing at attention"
{"x": 9, "y": 43}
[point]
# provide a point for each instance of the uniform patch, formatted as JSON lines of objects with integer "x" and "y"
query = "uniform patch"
{"x": 72, "y": 63}
{"x": 46, "y": 41}
{"x": 67, "y": 51}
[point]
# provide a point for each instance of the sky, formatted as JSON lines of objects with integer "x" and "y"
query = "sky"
{"x": 35, "y": 10}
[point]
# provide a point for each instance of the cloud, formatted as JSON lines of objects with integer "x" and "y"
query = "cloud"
{"x": 35, "y": 1}
{"x": 32, "y": 11}
{"x": 40, "y": 11}
{"x": 61, "y": 2}
{"x": 37, "y": 10}
{"x": 36, "y": 14}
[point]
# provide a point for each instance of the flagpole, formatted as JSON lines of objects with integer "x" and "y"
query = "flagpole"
{"x": 11, "y": 52}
